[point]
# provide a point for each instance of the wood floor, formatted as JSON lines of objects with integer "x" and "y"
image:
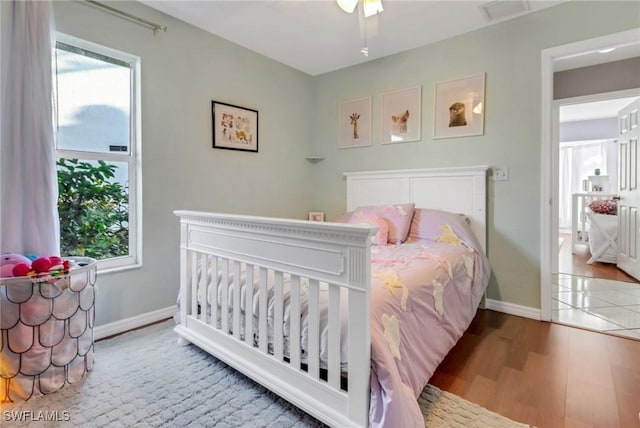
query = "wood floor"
{"x": 576, "y": 264}
{"x": 544, "y": 374}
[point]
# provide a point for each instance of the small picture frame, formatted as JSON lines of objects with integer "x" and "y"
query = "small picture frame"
{"x": 401, "y": 115}
{"x": 234, "y": 127}
{"x": 316, "y": 216}
{"x": 459, "y": 107}
{"x": 354, "y": 123}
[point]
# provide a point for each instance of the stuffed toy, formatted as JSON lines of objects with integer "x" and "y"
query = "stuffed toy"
{"x": 12, "y": 265}
{"x": 46, "y": 264}
{"x": 9, "y": 261}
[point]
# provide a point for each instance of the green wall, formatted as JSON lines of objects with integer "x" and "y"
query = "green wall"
{"x": 185, "y": 68}
{"x": 510, "y": 55}
{"x": 182, "y": 71}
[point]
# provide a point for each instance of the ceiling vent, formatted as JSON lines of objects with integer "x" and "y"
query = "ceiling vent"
{"x": 500, "y": 10}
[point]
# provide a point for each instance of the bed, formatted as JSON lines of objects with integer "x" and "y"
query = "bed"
{"x": 328, "y": 316}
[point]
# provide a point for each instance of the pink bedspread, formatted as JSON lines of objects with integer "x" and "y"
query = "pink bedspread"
{"x": 424, "y": 295}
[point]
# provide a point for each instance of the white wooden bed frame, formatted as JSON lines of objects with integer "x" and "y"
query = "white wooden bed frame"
{"x": 333, "y": 253}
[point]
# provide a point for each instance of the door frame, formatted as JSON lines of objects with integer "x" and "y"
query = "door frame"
{"x": 549, "y": 169}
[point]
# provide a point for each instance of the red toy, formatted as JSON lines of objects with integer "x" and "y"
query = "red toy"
{"x": 18, "y": 265}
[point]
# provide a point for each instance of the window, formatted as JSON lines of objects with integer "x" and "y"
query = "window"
{"x": 577, "y": 161}
{"x": 97, "y": 147}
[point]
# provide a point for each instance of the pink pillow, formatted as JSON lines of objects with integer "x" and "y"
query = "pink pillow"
{"x": 379, "y": 238}
{"x": 609, "y": 206}
{"x": 427, "y": 225}
{"x": 398, "y": 217}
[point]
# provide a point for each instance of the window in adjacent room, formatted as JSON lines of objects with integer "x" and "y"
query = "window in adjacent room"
{"x": 96, "y": 108}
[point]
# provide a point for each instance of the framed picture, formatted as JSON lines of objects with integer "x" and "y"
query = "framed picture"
{"x": 459, "y": 109}
{"x": 234, "y": 128}
{"x": 401, "y": 115}
{"x": 354, "y": 123}
{"x": 316, "y": 216}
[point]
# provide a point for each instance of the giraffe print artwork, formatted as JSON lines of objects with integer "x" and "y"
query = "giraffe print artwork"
{"x": 354, "y": 122}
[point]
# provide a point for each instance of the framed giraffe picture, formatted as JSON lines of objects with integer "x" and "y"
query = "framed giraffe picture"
{"x": 354, "y": 123}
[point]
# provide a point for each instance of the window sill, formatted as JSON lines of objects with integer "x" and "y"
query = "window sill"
{"x": 118, "y": 269}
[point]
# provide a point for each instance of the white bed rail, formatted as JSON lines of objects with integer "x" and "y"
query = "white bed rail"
{"x": 278, "y": 251}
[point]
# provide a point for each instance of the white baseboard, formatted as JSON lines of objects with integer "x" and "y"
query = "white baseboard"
{"x": 513, "y": 309}
{"x": 121, "y": 326}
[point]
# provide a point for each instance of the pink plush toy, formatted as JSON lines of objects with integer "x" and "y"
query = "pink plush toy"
{"x": 9, "y": 261}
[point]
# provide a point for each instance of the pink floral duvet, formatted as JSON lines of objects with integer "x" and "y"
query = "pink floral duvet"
{"x": 423, "y": 297}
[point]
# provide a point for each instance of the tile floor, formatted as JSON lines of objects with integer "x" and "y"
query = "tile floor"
{"x": 597, "y": 304}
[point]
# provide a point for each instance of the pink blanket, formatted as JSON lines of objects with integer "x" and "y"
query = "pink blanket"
{"x": 424, "y": 295}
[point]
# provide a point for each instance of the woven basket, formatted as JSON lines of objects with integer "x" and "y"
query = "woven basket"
{"x": 46, "y": 322}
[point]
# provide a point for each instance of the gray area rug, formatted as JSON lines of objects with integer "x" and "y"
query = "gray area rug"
{"x": 143, "y": 379}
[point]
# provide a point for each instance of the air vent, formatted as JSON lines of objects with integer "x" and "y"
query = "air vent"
{"x": 500, "y": 10}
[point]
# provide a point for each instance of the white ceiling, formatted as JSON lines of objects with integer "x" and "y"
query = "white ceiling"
{"x": 316, "y": 36}
{"x": 594, "y": 110}
{"x": 630, "y": 50}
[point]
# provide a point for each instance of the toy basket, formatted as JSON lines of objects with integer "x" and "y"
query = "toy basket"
{"x": 46, "y": 322}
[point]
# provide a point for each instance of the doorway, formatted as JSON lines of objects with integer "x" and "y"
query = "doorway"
{"x": 588, "y": 289}
{"x": 572, "y": 291}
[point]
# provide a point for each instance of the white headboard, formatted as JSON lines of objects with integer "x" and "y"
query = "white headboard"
{"x": 459, "y": 190}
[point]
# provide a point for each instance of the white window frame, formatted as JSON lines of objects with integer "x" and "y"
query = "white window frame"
{"x": 133, "y": 158}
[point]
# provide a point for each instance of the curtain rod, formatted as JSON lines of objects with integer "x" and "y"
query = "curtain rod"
{"x": 155, "y": 27}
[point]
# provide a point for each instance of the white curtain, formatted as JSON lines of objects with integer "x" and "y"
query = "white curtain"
{"x": 577, "y": 162}
{"x": 28, "y": 212}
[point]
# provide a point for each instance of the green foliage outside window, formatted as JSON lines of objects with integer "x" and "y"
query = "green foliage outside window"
{"x": 93, "y": 209}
